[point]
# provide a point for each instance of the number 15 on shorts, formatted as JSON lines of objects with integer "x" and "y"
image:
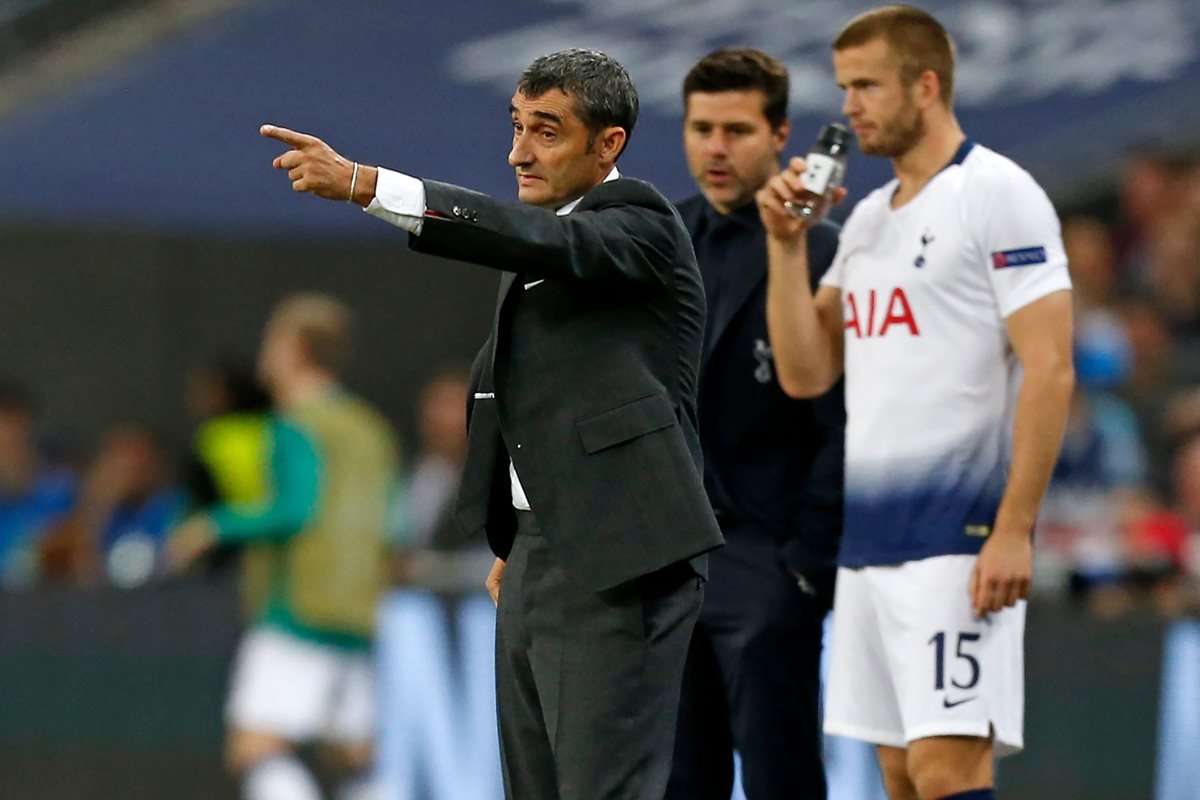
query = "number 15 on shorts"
{"x": 964, "y": 665}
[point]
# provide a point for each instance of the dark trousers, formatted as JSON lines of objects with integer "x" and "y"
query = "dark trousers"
{"x": 587, "y": 683}
{"x": 752, "y": 681}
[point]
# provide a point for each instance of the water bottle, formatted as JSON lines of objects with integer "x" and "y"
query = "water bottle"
{"x": 825, "y": 168}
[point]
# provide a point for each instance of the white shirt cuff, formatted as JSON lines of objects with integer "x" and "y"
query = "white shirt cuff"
{"x": 399, "y": 199}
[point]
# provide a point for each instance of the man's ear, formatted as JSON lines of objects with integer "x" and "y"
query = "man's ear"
{"x": 780, "y": 136}
{"x": 610, "y": 142}
{"x": 928, "y": 89}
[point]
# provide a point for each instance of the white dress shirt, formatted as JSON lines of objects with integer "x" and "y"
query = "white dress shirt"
{"x": 400, "y": 200}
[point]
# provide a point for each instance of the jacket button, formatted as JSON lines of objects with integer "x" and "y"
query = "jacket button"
{"x": 518, "y": 447}
{"x": 456, "y": 211}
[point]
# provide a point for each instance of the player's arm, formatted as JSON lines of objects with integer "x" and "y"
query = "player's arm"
{"x": 1040, "y": 334}
{"x": 805, "y": 329}
{"x": 296, "y": 474}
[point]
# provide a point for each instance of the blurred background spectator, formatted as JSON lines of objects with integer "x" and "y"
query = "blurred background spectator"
{"x": 34, "y": 493}
{"x": 433, "y": 551}
{"x": 1149, "y": 187}
{"x": 1115, "y": 530}
{"x": 1187, "y": 500}
{"x": 1093, "y": 259}
{"x": 427, "y": 498}
{"x": 126, "y": 503}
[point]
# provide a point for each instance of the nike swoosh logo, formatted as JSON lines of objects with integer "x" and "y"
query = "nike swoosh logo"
{"x": 532, "y": 284}
{"x": 946, "y": 703}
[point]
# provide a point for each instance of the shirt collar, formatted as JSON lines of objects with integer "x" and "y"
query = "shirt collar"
{"x": 745, "y": 216}
{"x": 960, "y": 155}
{"x": 569, "y": 207}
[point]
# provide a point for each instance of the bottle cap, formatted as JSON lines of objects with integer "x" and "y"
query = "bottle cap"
{"x": 833, "y": 135}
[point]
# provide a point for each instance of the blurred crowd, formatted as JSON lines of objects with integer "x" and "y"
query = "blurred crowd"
{"x": 104, "y": 519}
{"x": 1121, "y": 523}
{"x": 1120, "y": 527}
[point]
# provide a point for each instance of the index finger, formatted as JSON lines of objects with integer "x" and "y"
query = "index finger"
{"x": 294, "y": 138}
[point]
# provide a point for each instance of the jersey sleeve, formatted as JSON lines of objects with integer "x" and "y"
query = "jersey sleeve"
{"x": 1020, "y": 239}
{"x": 834, "y": 276}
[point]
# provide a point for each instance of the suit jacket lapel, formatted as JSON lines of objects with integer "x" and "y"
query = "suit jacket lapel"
{"x": 507, "y": 279}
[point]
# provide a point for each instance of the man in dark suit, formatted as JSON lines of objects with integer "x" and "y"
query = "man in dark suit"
{"x": 772, "y": 466}
{"x": 583, "y": 462}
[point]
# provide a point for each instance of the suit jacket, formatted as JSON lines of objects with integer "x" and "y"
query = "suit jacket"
{"x": 775, "y": 461}
{"x": 588, "y": 379}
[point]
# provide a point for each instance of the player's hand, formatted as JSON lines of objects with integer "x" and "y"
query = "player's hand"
{"x": 192, "y": 539}
{"x": 1003, "y": 572}
{"x": 312, "y": 166}
{"x": 493, "y": 580}
{"x": 783, "y": 188}
{"x": 780, "y": 190}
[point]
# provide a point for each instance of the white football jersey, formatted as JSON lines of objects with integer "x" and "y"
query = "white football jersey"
{"x": 930, "y": 375}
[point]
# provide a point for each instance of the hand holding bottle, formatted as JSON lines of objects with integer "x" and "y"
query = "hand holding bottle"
{"x": 773, "y": 200}
{"x": 785, "y": 192}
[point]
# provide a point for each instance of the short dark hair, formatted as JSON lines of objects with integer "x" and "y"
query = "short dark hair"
{"x": 914, "y": 36}
{"x": 734, "y": 69}
{"x": 239, "y": 383}
{"x": 603, "y": 91}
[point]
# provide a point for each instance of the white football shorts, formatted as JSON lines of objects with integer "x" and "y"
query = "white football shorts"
{"x": 910, "y": 660}
{"x": 301, "y": 690}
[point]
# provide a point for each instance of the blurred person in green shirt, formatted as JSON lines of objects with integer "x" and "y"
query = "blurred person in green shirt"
{"x": 314, "y": 563}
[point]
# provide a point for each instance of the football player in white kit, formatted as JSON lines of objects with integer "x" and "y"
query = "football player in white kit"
{"x": 950, "y": 282}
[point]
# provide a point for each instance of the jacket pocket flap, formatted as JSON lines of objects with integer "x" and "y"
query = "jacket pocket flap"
{"x": 620, "y": 424}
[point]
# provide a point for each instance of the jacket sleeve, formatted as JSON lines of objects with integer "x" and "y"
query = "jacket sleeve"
{"x": 620, "y": 236}
{"x": 822, "y": 247}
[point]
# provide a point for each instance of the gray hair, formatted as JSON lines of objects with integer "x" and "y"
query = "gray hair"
{"x": 603, "y": 91}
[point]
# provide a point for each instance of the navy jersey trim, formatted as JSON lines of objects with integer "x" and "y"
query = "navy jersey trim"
{"x": 960, "y": 155}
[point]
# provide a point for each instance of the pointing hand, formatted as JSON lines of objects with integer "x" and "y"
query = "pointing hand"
{"x": 315, "y": 167}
